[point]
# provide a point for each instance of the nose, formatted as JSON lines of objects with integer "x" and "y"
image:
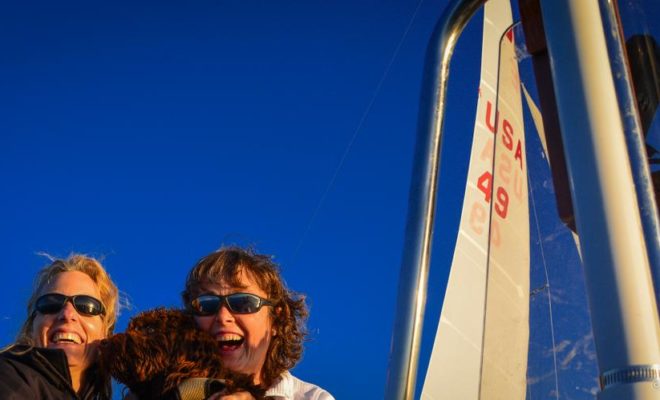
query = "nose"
{"x": 68, "y": 312}
{"x": 224, "y": 314}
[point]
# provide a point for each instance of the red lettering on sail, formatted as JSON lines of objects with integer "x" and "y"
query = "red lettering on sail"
{"x": 495, "y": 234}
{"x": 504, "y": 168}
{"x": 502, "y": 203}
{"x": 507, "y": 137}
{"x": 492, "y": 126}
{"x": 487, "y": 152}
{"x": 483, "y": 183}
{"x": 477, "y": 218}
{"x": 519, "y": 154}
{"x": 517, "y": 185}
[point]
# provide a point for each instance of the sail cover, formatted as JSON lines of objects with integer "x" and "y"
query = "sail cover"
{"x": 480, "y": 348}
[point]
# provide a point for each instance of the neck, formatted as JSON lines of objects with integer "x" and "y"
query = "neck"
{"x": 77, "y": 379}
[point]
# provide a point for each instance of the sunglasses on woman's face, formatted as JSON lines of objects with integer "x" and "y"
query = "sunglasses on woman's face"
{"x": 52, "y": 303}
{"x": 237, "y": 303}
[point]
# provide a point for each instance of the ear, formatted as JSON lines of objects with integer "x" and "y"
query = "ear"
{"x": 277, "y": 311}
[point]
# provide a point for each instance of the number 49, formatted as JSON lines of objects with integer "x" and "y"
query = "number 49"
{"x": 484, "y": 183}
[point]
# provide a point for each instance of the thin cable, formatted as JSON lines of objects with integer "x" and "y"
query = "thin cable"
{"x": 490, "y": 206}
{"x": 547, "y": 284}
{"x": 356, "y": 132}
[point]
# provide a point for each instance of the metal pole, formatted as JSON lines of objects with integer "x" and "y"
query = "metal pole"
{"x": 406, "y": 337}
{"x": 617, "y": 271}
{"x": 635, "y": 141}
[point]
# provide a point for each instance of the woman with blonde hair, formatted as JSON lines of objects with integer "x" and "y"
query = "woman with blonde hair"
{"x": 72, "y": 308}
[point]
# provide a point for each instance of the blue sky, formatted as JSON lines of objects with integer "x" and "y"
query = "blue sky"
{"x": 151, "y": 133}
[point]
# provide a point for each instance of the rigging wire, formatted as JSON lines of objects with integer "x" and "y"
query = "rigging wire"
{"x": 490, "y": 206}
{"x": 546, "y": 285}
{"x": 357, "y": 130}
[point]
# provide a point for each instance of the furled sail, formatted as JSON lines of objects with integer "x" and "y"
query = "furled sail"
{"x": 480, "y": 348}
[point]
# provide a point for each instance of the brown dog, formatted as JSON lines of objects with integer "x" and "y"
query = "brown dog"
{"x": 161, "y": 349}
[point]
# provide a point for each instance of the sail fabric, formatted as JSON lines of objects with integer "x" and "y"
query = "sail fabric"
{"x": 480, "y": 348}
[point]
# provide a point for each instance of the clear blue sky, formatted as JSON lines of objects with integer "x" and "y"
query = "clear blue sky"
{"x": 150, "y": 133}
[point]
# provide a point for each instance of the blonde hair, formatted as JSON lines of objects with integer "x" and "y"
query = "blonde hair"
{"x": 75, "y": 262}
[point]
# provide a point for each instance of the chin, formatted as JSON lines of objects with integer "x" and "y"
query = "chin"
{"x": 76, "y": 357}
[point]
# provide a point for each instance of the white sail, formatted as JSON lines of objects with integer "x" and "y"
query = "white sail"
{"x": 480, "y": 349}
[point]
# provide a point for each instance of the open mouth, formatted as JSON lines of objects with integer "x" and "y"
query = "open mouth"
{"x": 66, "y": 338}
{"x": 230, "y": 342}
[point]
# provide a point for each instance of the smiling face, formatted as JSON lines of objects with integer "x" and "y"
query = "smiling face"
{"x": 244, "y": 338}
{"x": 77, "y": 334}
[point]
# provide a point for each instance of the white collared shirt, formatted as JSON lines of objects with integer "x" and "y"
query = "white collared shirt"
{"x": 288, "y": 387}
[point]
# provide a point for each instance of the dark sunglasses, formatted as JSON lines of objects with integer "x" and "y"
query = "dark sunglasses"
{"x": 52, "y": 303}
{"x": 237, "y": 303}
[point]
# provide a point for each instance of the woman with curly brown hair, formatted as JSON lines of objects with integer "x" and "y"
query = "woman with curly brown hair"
{"x": 240, "y": 298}
{"x": 72, "y": 308}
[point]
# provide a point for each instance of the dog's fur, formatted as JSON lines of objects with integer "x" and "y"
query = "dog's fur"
{"x": 162, "y": 348}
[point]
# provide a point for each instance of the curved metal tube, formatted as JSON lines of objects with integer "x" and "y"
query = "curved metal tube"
{"x": 407, "y": 332}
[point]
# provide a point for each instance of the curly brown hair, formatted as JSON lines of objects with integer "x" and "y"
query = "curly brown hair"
{"x": 162, "y": 348}
{"x": 289, "y": 312}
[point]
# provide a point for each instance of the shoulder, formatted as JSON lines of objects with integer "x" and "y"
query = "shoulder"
{"x": 309, "y": 391}
{"x": 16, "y": 375}
{"x": 16, "y": 358}
{"x": 26, "y": 373}
{"x": 291, "y": 388}
{"x": 35, "y": 358}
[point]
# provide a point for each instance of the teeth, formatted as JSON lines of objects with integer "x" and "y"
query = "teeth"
{"x": 229, "y": 337}
{"x": 66, "y": 337}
